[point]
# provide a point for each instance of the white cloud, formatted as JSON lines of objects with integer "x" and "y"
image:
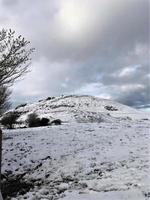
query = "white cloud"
{"x": 131, "y": 87}
{"x": 128, "y": 71}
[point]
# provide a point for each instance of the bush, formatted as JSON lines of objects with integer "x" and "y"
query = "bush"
{"x": 21, "y": 105}
{"x": 33, "y": 120}
{"x": 111, "y": 108}
{"x": 40, "y": 100}
{"x": 44, "y": 121}
{"x": 49, "y": 98}
{"x": 56, "y": 122}
{"x": 10, "y": 119}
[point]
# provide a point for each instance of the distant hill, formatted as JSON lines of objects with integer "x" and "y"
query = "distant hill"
{"x": 74, "y": 108}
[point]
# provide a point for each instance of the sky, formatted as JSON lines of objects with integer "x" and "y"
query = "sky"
{"x": 98, "y": 47}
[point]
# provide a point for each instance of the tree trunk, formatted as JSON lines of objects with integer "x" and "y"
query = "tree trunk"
{"x": 1, "y": 198}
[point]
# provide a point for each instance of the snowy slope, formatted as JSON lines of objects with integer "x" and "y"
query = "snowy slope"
{"x": 79, "y": 108}
{"x": 107, "y": 159}
{"x": 78, "y": 161}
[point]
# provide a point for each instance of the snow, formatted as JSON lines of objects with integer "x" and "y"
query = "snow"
{"x": 107, "y": 159}
{"x": 118, "y": 195}
{"x": 73, "y": 108}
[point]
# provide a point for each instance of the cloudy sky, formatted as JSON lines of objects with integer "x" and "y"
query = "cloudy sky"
{"x": 95, "y": 47}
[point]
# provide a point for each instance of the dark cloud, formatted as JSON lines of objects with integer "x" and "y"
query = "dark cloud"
{"x": 9, "y": 3}
{"x": 82, "y": 45}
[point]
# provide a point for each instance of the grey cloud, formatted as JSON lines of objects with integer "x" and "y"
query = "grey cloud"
{"x": 10, "y": 3}
{"x": 122, "y": 29}
{"x": 136, "y": 98}
{"x": 115, "y": 36}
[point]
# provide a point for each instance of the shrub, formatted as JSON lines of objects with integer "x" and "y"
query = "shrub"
{"x": 49, "y": 98}
{"x": 21, "y": 105}
{"x": 145, "y": 119}
{"x": 111, "y": 108}
{"x": 56, "y": 122}
{"x": 40, "y": 100}
{"x": 44, "y": 121}
{"x": 10, "y": 119}
{"x": 33, "y": 120}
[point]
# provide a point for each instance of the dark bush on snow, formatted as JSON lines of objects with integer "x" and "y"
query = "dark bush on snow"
{"x": 56, "y": 122}
{"x": 50, "y": 98}
{"x": 44, "y": 121}
{"x": 111, "y": 108}
{"x": 40, "y": 100}
{"x": 21, "y": 105}
{"x": 145, "y": 119}
{"x": 10, "y": 119}
{"x": 33, "y": 120}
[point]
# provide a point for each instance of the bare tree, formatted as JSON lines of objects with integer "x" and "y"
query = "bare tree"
{"x": 10, "y": 119}
{"x": 4, "y": 99}
{"x": 14, "y": 62}
{"x": 14, "y": 56}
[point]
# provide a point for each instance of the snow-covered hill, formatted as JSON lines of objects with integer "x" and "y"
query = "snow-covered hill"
{"x": 78, "y": 161}
{"x": 78, "y": 108}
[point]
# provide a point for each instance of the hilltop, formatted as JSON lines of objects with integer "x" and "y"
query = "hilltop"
{"x": 75, "y": 108}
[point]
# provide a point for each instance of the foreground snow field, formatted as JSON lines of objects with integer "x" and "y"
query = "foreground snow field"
{"x": 78, "y": 161}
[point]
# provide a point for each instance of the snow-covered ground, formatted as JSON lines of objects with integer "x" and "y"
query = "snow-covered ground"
{"x": 84, "y": 161}
{"x": 106, "y": 157}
